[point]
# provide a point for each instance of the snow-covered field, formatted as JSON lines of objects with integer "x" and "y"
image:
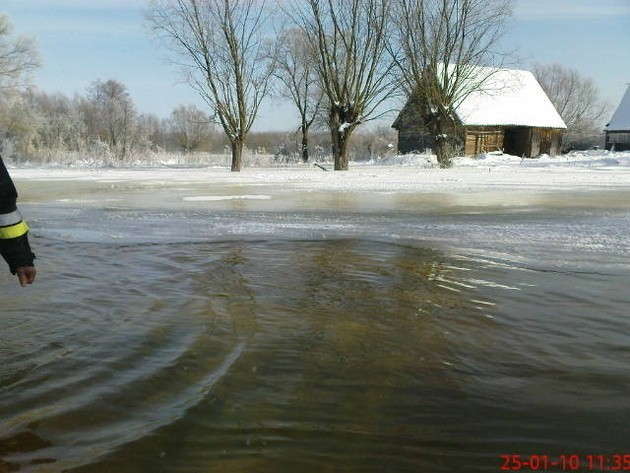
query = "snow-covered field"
{"x": 576, "y": 171}
{"x": 579, "y": 167}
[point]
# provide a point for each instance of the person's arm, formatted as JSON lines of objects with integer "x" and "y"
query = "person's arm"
{"x": 18, "y": 255}
{"x": 14, "y": 245}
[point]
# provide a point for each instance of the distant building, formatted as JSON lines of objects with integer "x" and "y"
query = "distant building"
{"x": 509, "y": 112}
{"x": 618, "y": 129}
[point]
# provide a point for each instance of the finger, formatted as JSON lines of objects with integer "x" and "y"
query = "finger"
{"x": 30, "y": 276}
{"x": 26, "y": 275}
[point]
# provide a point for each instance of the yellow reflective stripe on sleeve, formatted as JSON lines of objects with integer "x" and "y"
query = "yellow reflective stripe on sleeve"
{"x": 13, "y": 231}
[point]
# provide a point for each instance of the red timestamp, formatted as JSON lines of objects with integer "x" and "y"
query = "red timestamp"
{"x": 568, "y": 462}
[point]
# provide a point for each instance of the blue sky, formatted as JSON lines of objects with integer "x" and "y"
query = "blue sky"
{"x": 81, "y": 41}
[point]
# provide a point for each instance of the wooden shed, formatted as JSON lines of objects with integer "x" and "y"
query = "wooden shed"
{"x": 510, "y": 112}
{"x": 618, "y": 129}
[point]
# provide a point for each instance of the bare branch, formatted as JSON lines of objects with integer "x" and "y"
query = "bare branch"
{"x": 18, "y": 57}
{"x": 578, "y": 102}
{"x": 350, "y": 40}
{"x": 441, "y": 46}
{"x": 222, "y": 46}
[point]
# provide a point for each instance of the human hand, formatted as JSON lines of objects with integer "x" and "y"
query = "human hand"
{"x": 26, "y": 275}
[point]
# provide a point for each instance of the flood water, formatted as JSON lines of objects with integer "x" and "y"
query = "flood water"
{"x": 339, "y": 331}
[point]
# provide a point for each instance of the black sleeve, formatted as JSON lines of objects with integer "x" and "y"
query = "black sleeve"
{"x": 8, "y": 194}
{"x": 15, "y": 251}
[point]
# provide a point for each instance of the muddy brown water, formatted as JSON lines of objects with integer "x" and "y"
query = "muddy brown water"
{"x": 229, "y": 335}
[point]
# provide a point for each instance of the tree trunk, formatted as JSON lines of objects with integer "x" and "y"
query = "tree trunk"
{"x": 443, "y": 151}
{"x": 442, "y": 134}
{"x": 340, "y": 133}
{"x": 237, "y": 154}
{"x": 340, "y": 148}
{"x": 304, "y": 143}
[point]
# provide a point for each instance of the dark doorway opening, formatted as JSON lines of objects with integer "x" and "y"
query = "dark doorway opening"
{"x": 516, "y": 141}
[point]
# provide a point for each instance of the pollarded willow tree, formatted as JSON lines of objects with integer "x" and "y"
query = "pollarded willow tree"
{"x": 445, "y": 50}
{"x": 221, "y": 45}
{"x": 350, "y": 42}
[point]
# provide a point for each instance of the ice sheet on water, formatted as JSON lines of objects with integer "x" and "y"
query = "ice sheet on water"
{"x": 210, "y": 198}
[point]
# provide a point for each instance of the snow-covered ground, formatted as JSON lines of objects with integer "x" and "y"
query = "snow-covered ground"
{"x": 576, "y": 171}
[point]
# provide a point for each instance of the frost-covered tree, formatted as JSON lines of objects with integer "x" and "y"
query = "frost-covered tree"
{"x": 152, "y": 132}
{"x": 350, "y": 43}
{"x": 112, "y": 115}
{"x": 439, "y": 46}
{"x": 58, "y": 121}
{"x": 578, "y": 102}
{"x": 18, "y": 59}
{"x": 222, "y": 47}
{"x": 18, "y": 127}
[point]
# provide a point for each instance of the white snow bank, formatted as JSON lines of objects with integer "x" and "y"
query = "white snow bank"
{"x": 588, "y": 159}
{"x": 397, "y": 174}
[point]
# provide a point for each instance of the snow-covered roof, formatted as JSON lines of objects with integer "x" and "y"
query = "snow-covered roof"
{"x": 508, "y": 97}
{"x": 621, "y": 118}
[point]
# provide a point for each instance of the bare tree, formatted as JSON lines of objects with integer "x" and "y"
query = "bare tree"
{"x": 18, "y": 57}
{"x": 578, "y": 102}
{"x": 350, "y": 40}
{"x": 191, "y": 126}
{"x": 296, "y": 70}
{"x": 439, "y": 46}
{"x": 220, "y": 44}
{"x": 114, "y": 115}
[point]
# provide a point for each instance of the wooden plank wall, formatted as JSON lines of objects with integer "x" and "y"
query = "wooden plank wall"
{"x": 546, "y": 141}
{"x": 519, "y": 141}
{"x": 483, "y": 140}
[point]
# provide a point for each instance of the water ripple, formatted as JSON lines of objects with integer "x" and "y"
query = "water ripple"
{"x": 283, "y": 355}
